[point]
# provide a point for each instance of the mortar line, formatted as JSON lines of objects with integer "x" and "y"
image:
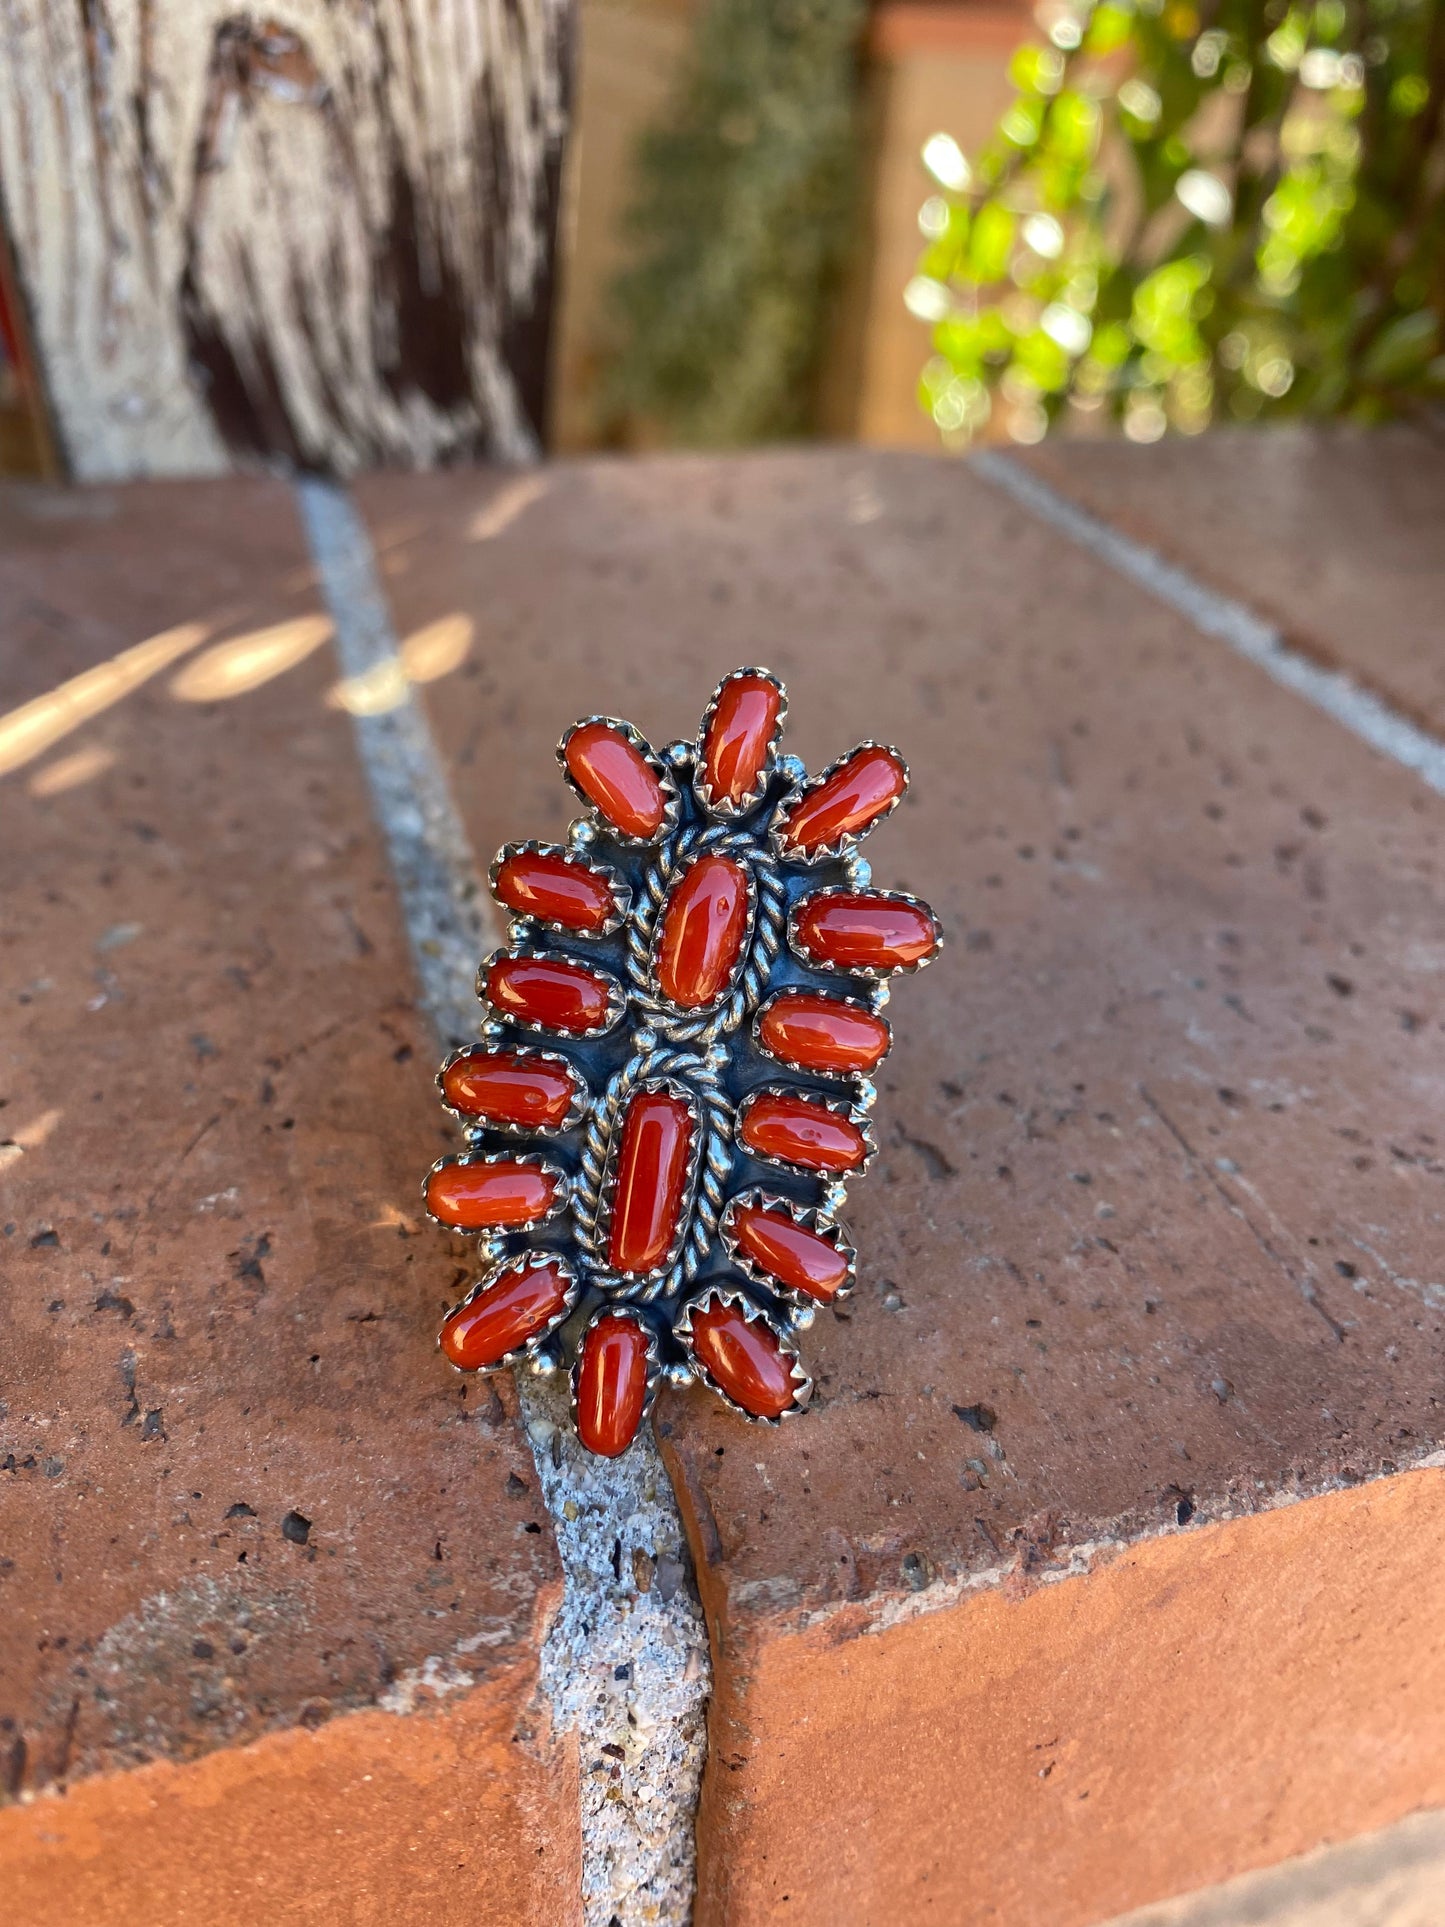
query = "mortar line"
{"x": 1357, "y": 709}
{"x": 625, "y": 1663}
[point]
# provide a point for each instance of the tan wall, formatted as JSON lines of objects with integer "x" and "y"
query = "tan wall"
{"x": 936, "y": 69}
{"x": 629, "y": 54}
{"x": 932, "y": 68}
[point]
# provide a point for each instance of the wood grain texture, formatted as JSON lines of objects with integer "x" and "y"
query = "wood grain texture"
{"x": 322, "y": 234}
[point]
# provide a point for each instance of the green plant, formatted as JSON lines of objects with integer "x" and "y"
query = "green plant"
{"x": 1236, "y": 210}
{"x": 744, "y": 212}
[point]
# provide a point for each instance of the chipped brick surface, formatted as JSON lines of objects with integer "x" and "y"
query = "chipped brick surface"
{"x": 1199, "y": 1705}
{"x": 369, "y": 1821}
{"x": 241, "y": 1494}
{"x": 1331, "y": 534}
{"x": 1153, "y": 1237}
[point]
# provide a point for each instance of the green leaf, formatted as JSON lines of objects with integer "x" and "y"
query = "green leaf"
{"x": 1308, "y": 111}
{"x": 991, "y": 242}
{"x": 1403, "y": 348}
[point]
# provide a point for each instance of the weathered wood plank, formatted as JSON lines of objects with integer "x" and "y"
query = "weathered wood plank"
{"x": 321, "y": 234}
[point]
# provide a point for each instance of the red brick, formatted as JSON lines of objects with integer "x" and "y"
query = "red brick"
{"x": 1200, "y": 1704}
{"x": 1152, "y": 1232}
{"x": 1331, "y": 534}
{"x": 370, "y": 1821}
{"x": 222, "y": 1298}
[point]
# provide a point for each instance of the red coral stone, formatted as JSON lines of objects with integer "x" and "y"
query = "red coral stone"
{"x": 611, "y": 1385}
{"x": 818, "y": 1033}
{"x": 547, "y": 991}
{"x": 509, "y": 1087}
{"x": 860, "y": 932}
{"x": 779, "y": 1125}
{"x": 703, "y": 927}
{"x": 557, "y": 891}
{"x": 518, "y": 1303}
{"x": 857, "y": 793}
{"x": 739, "y": 736}
{"x": 745, "y": 1358}
{"x": 789, "y": 1251}
{"x": 613, "y": 773}
{"x": 651, "y": 1178}
{"x": 479, "y": 1197}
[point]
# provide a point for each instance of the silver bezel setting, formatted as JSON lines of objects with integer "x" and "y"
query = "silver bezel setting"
{"x": 622, "y": 1309}
{"x": 703, "y": 1029}
{"x": 491, "y": 1047}
{"x": 667, "y": 782}
{"x": 810, "y": 1218}
{"x": 877, "y": 972}
{"x": 561, "y": 1191}
{"x": 864, "y": 1005}
{"x": 720, "y": 1291}
{"x": 824, "y": 1101}
{"x": 698, "y": 1012}
{"x": 616, "y": 996}
{"x": 575, "y": 860}
{"x": 697, "y": 1141}
{"x": 529, "y": 1349}
{"x": 702, "y": 789}
{"x": 851, "y": 839}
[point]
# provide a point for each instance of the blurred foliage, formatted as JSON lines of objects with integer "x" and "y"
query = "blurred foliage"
{"x": 1194, "y": 212}
{"x": 746, "y": 205}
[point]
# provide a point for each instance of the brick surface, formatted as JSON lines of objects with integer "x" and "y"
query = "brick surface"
{"x": 1198, "y": 1704}
{"x": 241, "y": 1494}
{"x": 1153, "y": 1238}
{"x": 1332, "y": 534}
{"x": 1393, "y": 1878}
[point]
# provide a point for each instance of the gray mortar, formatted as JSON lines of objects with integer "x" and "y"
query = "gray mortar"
{"x": 1221, "y": 616}
{"x": 625, "y": 1664}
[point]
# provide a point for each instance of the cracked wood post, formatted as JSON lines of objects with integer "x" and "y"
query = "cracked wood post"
{"x": 317, "y": 234}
